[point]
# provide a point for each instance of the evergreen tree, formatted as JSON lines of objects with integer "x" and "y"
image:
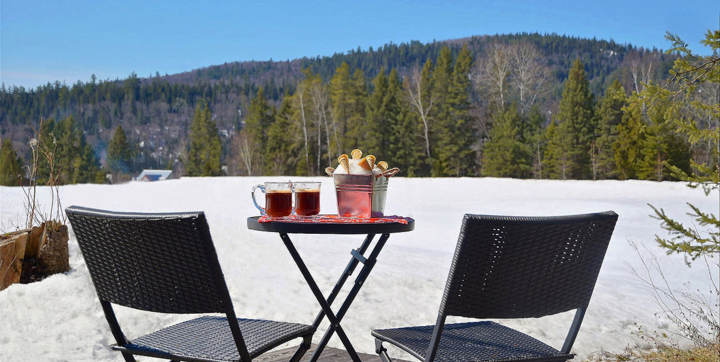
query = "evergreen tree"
{"x": 260, "y": 116}
{"x": 10, "y": 165}
{"x": 119, "y": 153}
{"x": 402, "y": 146}
{"x": 213, "y": 165}
{"x": 533, "y": 137}
{"x": 661, "y": 145}
{"x": 630, "y": 137}
{"x": 576, "y": 123}
{"x": 357, "y": 116}
{"x": 440, "y": 113}
{"x": 555, "y": 156}
{"x": 279, "y": 148}
{"x": 689, "y": 109}
{"x": 74, "y": 159}
{"x": 375, "y": 135}
{"x": 609, "y": 114}
{"x": 504, "y": 154}
{"x": 453, "y": 153}
{"x": 455, "y": 142}
{"x": 203, "y": 157}
{"x": 342, "y": 104}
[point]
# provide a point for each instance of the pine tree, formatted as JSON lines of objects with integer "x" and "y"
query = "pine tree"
{"x": 198, "y": 142}
{"x": 440, "y": 113}
{"x": 402, "y": 146}
{"x": 357, "y": 117}
{"x": 341, "y": 103}
{"x": 504, "y": 154}
{"x": 279, "y": 149}
{"x": 576, "y": 116}
{"x": 119, "y": 153}
{"x": 555, "y": 156}
{"x": 687, "y": 109}
{"x": 661, "y": 145}
{"x": 533, "y": 137}
{"x": 609, "y": 116}
{"x": 630, "y": 137}
{"x": 10, "y": 165}
{"x": 453, "y": 127}
{"x": 203, "y": 158}
{"x": 460, "y": 161}
{"x": 260, "y": 117}
{"x": 74, "y": 159}
{"x": 212, "y": 166}
{"x": 375, "y": 135}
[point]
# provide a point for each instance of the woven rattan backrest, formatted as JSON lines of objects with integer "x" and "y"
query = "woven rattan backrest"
{"x": 520, "y": 267}
{"x": 155, "y": 262}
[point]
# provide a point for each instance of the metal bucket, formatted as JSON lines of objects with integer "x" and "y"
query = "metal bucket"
{"x": 361, "y": 195}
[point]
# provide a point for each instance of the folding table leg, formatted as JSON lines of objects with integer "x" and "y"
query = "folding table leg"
{"x": 348, "y": 272}
{"x": 334, "y": 321}
{"x": 343, "y": 278}
{"x": 359, "y": 280}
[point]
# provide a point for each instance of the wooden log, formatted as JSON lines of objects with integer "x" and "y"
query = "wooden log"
{"x": 53, "y": 252}
{"x": 12, "y": 252}
{"x": 33, "y": 243}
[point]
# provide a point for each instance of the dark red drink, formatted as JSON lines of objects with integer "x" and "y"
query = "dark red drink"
{"x": 278, "y": 203}
{"x": 307, "y": 202}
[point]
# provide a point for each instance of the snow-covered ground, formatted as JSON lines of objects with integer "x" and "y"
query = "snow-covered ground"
{"x": 60, "y": 318}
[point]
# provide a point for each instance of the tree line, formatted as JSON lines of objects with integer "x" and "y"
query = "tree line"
{"x": 423, "y": 123}
{"x": 455, "y": 114}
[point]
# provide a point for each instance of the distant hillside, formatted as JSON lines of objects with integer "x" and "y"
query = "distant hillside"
{"x": 157, "y": 111}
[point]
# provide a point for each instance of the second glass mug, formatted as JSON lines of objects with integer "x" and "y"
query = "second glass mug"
{"x": 278, "y": 198}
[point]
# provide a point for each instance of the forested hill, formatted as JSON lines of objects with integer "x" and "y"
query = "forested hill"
{"x": 602, "y": 59}
{"x": 156, "y": 112}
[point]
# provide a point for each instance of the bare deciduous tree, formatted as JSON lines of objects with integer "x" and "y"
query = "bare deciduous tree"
{"x": 529, "y": 74}
{"x": 641, "y": 71}
{"x": 493, "y": 73}
{"x": 301, "y": 103}
{"x": 246, "y": 147}
{"x": 421, "y": 99}
{"x": 319, "y": 95}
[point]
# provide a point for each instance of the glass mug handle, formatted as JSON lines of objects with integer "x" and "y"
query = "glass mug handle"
{"x": 252, "y": 193}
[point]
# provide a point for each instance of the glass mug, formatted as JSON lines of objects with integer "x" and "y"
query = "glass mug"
{"x": 278, "y": 198}
{"x": 307, "y": 198}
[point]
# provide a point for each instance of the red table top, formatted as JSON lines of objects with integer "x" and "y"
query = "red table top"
{"x": 334, "y": 219}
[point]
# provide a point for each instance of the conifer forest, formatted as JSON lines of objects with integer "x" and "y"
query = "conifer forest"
{"x": 521, "y": 105}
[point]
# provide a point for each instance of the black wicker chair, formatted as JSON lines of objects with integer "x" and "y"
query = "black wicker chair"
{"x": 166, "y": 263}
{"x": 510, "y": 267}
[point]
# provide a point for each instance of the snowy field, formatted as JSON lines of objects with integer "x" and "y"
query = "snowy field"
{"x": 61, "y": 319}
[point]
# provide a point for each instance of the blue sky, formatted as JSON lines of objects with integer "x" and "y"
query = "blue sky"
{"x": 42, "y": 41}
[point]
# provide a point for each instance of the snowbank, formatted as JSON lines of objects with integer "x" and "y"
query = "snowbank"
{"x": 60, "y": 318}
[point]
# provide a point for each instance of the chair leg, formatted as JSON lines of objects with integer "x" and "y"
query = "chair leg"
{"x": 381, "y": 351}
{"x": 304, "y": 346}
{"x": 128, "y": 356}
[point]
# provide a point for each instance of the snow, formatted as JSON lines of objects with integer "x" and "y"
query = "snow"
{"x": 60, "y": 318}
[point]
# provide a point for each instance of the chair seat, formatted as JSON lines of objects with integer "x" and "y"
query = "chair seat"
{"x": 209, "y": 338}
{"x": 476, "y": 341}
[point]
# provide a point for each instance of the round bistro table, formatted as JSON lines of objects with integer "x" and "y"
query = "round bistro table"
{"x": 358, "y": 256}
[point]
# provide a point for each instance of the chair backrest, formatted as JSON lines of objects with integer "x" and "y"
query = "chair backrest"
{"x": 520, "y": 267}
{"x": 154, "y": 262}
